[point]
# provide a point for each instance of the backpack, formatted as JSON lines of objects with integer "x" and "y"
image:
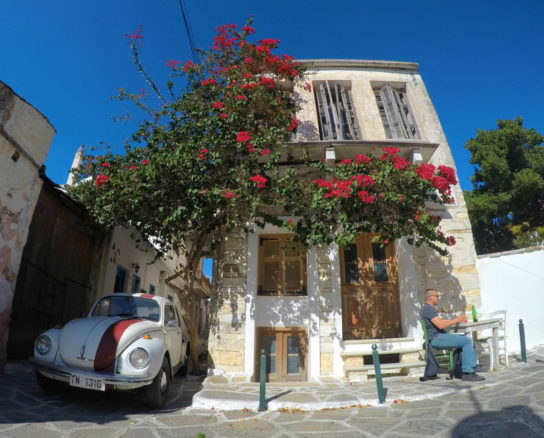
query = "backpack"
{"x": 457, "y": 369}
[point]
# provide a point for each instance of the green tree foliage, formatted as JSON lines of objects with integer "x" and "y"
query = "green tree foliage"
{"x": 214, "y": 156}
{"x": 506, "y": 203}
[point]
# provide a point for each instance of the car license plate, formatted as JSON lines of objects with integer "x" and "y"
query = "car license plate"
{"x": 83, "y": 381}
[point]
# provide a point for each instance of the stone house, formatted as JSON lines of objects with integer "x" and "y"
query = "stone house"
{"x": 317, "y": 312}
{"x": 25, "y": 139}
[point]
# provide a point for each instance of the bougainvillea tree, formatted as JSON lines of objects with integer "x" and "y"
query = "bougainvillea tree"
{"x": 213, "y": 156}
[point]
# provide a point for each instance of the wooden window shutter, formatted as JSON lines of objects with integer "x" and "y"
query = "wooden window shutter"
{"x": 270, "y": 266}
{"x": 337, "y": 120}
{"x": 395, "y": 113}
{"x": 295, "y": 271}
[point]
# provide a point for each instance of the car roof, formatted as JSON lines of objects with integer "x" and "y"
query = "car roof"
{"x": 159, "y": 299}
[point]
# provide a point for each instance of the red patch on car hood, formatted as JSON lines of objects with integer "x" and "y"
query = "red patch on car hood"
{"x": 106, "y": 353}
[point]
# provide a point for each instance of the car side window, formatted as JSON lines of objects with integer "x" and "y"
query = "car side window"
{"x": 170, "y": 315}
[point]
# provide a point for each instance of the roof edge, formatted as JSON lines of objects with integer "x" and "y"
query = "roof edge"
{"x": 365, "y": 63}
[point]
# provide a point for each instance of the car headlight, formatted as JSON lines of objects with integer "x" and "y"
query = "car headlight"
{"x": 139, "y": 358}
{"x": 43, "y": 344}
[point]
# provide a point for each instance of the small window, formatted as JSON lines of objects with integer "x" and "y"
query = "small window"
{"x": 282, "y": 267}
{"x": 351, "y": 269}
{"x": 397, "y": 117}
{"x": 170, "y": 315}
{"x": 335, "y": 111}
{"x": 135, "y": 284}
{"x": 380, "y": 265}
{"x": 120, "y": 279}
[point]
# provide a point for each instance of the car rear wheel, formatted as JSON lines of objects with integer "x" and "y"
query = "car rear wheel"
{"x": 47, "y": 384}
{"x": 157, "y": 392}
{"x": 186, "y": 367}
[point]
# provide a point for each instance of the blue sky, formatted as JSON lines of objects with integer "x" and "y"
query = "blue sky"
{"x": 480, "y": 60}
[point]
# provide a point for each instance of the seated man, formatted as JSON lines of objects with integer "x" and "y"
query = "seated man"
{"x": 439, "y": 338}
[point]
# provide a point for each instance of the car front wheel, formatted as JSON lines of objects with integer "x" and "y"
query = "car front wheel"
{"x": 157, "y": 392}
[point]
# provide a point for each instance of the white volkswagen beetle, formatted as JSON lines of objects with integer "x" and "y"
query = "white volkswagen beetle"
{"x": 127, "y": 341}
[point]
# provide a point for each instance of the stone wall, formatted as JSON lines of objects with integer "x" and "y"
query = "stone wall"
{"x": 25, "y": 139}
{"x": 226, "y": 344}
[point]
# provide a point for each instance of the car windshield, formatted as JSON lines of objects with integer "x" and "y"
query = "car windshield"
{"x": 132, "y": 307}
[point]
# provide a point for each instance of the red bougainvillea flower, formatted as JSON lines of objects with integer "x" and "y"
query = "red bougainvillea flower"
{"x": 189, "y": 64}
{"x": 307, "y": 86}
{"x": 249, "y": 60}
{"x": 144, "y": 162}
{"x": 248, "y": 86}
{"x": 399, "y": 162}
{"x": 218, "y": 105}
{"x": 293, "y": 125}
{"x": 346, "y": 161}
{"x": 105, "y": 164}
{"x": 241, "y": 97}
{"x": 259, "y": 180}
{"x": 133, "y": 167}
{"x": 363, "y": 180}
{"x": 248, "y": 29}
{"x": 267, "y": 82}
{"x": 269, "y": 42}
{"x": 265, "y": 151}
{"x": 204, "y": 191}
{"x": 425, "y": 171}
{"x": 292, "y": 223}
{"x": 172, "y": 64}
{"x": 365, "y": 197}
{"x": 210, "y": 81}
{"x": 228, "y": 195}
{"x": 100, "y": 180}
{"x": 448, "y": 173}
{"x": 203, "y": 153}
{"x": 223, "y": 115}
{"x": 360, "y": 159}
{"x": 441, "y": 184}
{"x": 243, "y": 136}
{"x": 247, "y": 75}
{"x": 451, "y": 240}
{"x": 250, "y": 148}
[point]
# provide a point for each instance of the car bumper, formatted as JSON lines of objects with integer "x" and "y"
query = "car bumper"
{"x": 63, "y": 374}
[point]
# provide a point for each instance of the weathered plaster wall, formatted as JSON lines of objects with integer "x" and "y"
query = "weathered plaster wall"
{"x": 25, "y": 139}
{"x": 514, "y": 280}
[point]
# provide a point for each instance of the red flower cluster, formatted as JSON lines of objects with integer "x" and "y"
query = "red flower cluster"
{"x": 363, "y": 180}
{"x": 105, "y": 164}
{"x": 451, "y": 240}
{"x": 267, "y": 82}
{"x": 210, "y": 81}
{"x": 260, "y": 180}
{"x": 144, "y": 162}
{"x": 448, "y": 173}
{"x": 360, "y": 159}
{"x": 241, "y": 97}
{"x": 441, "y": 184}
{"x": 100, "y": 180}
{"x": 225, "y": 38}
{"x": 425, "y": 171}
{"x": 248, "y": 30}
{"x": 189, "y": 64}
{"x": 265, "y": 151}
{"x": 223, "y": 115}
{"x": 172, "y": 64}
{"x": 365, "y": 197}
{"x": 218, "y": 105}
{"x": 250, "y": 148}
{"x": 203, "y": 153}
{"x": 132, "y": 38}
{"x": 307, "y": 86}
{"x": 228, "y": 195}
{"x": 293, "y": 125}
{"x": 399, "y": 162}
{"x": 243, "y": 136}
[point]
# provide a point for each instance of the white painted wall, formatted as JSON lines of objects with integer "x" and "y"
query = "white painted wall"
{"x": 514, "y": 280}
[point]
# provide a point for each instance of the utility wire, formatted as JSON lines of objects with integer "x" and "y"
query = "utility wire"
{"x": 190, "y": 36}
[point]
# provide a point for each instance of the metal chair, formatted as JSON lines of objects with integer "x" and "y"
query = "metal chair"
{"x": 488, "y": 337}
{"x": 443, "y": 355}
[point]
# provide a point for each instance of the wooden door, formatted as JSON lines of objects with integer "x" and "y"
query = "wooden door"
{"x": 286, "y": 354}
{"x": 370, "y": 298}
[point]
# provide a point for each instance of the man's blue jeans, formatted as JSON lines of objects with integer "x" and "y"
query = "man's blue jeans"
{"x": 449, "y": 340}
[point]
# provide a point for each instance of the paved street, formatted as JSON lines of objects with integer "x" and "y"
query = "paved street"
{"x": 510, "y": 403}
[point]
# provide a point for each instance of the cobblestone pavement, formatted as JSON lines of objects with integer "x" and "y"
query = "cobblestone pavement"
{"x": 510, "y": 403}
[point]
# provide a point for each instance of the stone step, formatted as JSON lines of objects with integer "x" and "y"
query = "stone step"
{"x": 386, "y": 368}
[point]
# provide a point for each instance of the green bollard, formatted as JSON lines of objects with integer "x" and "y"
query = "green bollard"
{"x": 522, "y": 341}
{"x": 378, "y": 371}
{"x": 262, "y": 375}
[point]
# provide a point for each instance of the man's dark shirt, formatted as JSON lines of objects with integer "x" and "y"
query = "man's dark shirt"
{"x": 428, "y": 312}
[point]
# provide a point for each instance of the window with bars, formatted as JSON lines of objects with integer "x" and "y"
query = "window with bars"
{"x": 397, "y": 117}
{"x": 282, "y": 267}
{"x": 335, "y": 111}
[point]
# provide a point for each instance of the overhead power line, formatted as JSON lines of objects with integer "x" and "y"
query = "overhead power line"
{"x": 190, "y": 36}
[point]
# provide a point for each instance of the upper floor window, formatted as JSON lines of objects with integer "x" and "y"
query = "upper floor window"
{"x": 335, "y": 111}
{"x": 282, "y": 267}
{"x": 397, "y": 117}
